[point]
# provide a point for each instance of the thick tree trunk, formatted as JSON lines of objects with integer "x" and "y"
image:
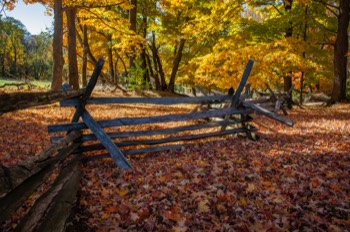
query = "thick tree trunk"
{"x": 58, "y": 61}
{"x": 72, "y": 49}
{"x": 177, "y": 60}
{"x": 341, "y": 47}
{"x": 84, "y": 64}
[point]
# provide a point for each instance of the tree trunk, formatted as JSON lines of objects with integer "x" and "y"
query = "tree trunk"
{"x": 177, "y": 61}
{"x": 153, "y": 74}
{"x": 110, "y": 59}
{"x": 57, "y": 52}
{"x": 124, "y": 65}
{"x": 85, "y": 47}
{"x": 157, "y": 63}
{"x": 146, "y": 77}
{"x": 304, "y": 55}
{"x": 132, "y": 21}
{"x": 72, "y": 49}
{"x": 340, "y": 53}
{"x": 287, "y": 79}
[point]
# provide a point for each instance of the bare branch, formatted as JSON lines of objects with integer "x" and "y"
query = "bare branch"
{"x": 276, "y": 9}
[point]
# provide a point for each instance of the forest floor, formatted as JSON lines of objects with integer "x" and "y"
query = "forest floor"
{"x": 290, "y": 179}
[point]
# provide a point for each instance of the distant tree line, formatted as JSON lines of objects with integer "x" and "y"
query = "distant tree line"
{"x": 22, "y": 55}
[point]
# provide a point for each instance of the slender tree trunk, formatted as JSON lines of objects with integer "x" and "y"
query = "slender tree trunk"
{"x": 58, "y": 61}
{"x": 177, "y": 61}
{"x": 110, "y": 58}
{"x": 157, "y": 63}
{"x": 85, "y": 47}
{"x": 304, "y": 55}
{"x": 124, "y": 65}
{"x": 287, "y": 79}
{"x": 146, "y": 77}
{"x": 341, "y": 48}
{"x": 72, "y": 49}
{"x": 133, "y": 22}
{"x": 153, "y": 74}
{"x": 3, "y": 60}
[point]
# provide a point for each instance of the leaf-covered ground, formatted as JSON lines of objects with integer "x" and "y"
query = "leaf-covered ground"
{"x": 291, "y": 179}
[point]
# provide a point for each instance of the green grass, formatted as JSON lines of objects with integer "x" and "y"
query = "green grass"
{"x": 35, "y": 84}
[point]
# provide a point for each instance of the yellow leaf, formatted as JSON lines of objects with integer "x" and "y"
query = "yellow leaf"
{"x": 251, "y": 187}
{"x": 203, "y": 207}
{"x": 243, "y": 201}
{"x": 122, "y": 192}
{"x": 105, "y": 216}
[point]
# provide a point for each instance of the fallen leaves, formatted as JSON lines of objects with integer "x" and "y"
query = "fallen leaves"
{"x": 291, "y": 179}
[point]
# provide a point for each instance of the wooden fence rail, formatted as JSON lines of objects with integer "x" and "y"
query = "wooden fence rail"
{"x": 15, "y": 101}
{"x": 233, "y": 118}
{"x": 232, "y": 114}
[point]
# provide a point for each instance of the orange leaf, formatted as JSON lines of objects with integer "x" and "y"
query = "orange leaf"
{"x": 172, "y": 215}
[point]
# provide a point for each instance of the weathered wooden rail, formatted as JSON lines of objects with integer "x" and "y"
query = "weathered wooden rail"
{"x": 51, "y": 210}
{"x": 235, "y": 118}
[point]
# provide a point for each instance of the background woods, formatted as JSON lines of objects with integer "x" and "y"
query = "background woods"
{"x": 166, "y": 44}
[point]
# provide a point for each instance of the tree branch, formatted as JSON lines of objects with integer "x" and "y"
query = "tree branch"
{"x": 102, "y": 21}
{"x": 329, "y": 7}
{"x": 92, "y": 6}
{"x": 276, "y": 9}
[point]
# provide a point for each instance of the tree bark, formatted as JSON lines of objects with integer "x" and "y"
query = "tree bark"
{"x": 58, "y": 61}
{"x": 287, "y": 79}
{"x": 153, "y": 74}
{"x": 72, "y": 49}
{"x": 84, "y": 64}
{"x": 15, "y": 101}
{"x": 146, "y": 77}
{"x": 110, "y": 59}
{"x": 341, "y": 47}
{"x": 133, "y": 22}
{"x": 157, "y": 63}
{"x": 177, "y": 60}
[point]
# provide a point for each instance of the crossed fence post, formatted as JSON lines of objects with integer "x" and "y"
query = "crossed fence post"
{"x": 116, "y": 154}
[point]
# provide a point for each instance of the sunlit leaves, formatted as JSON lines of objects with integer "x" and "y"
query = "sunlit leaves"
{"x": 291, "y": 179}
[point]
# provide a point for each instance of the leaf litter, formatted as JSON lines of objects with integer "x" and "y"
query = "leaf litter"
{"x": 291, "y": 179}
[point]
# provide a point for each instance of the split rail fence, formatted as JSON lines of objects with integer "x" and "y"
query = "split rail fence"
{"x": 236, "y": 111}
{"x": 50, "y": 212}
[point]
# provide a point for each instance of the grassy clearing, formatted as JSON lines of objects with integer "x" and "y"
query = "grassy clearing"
{"x": 6, "y": 83}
